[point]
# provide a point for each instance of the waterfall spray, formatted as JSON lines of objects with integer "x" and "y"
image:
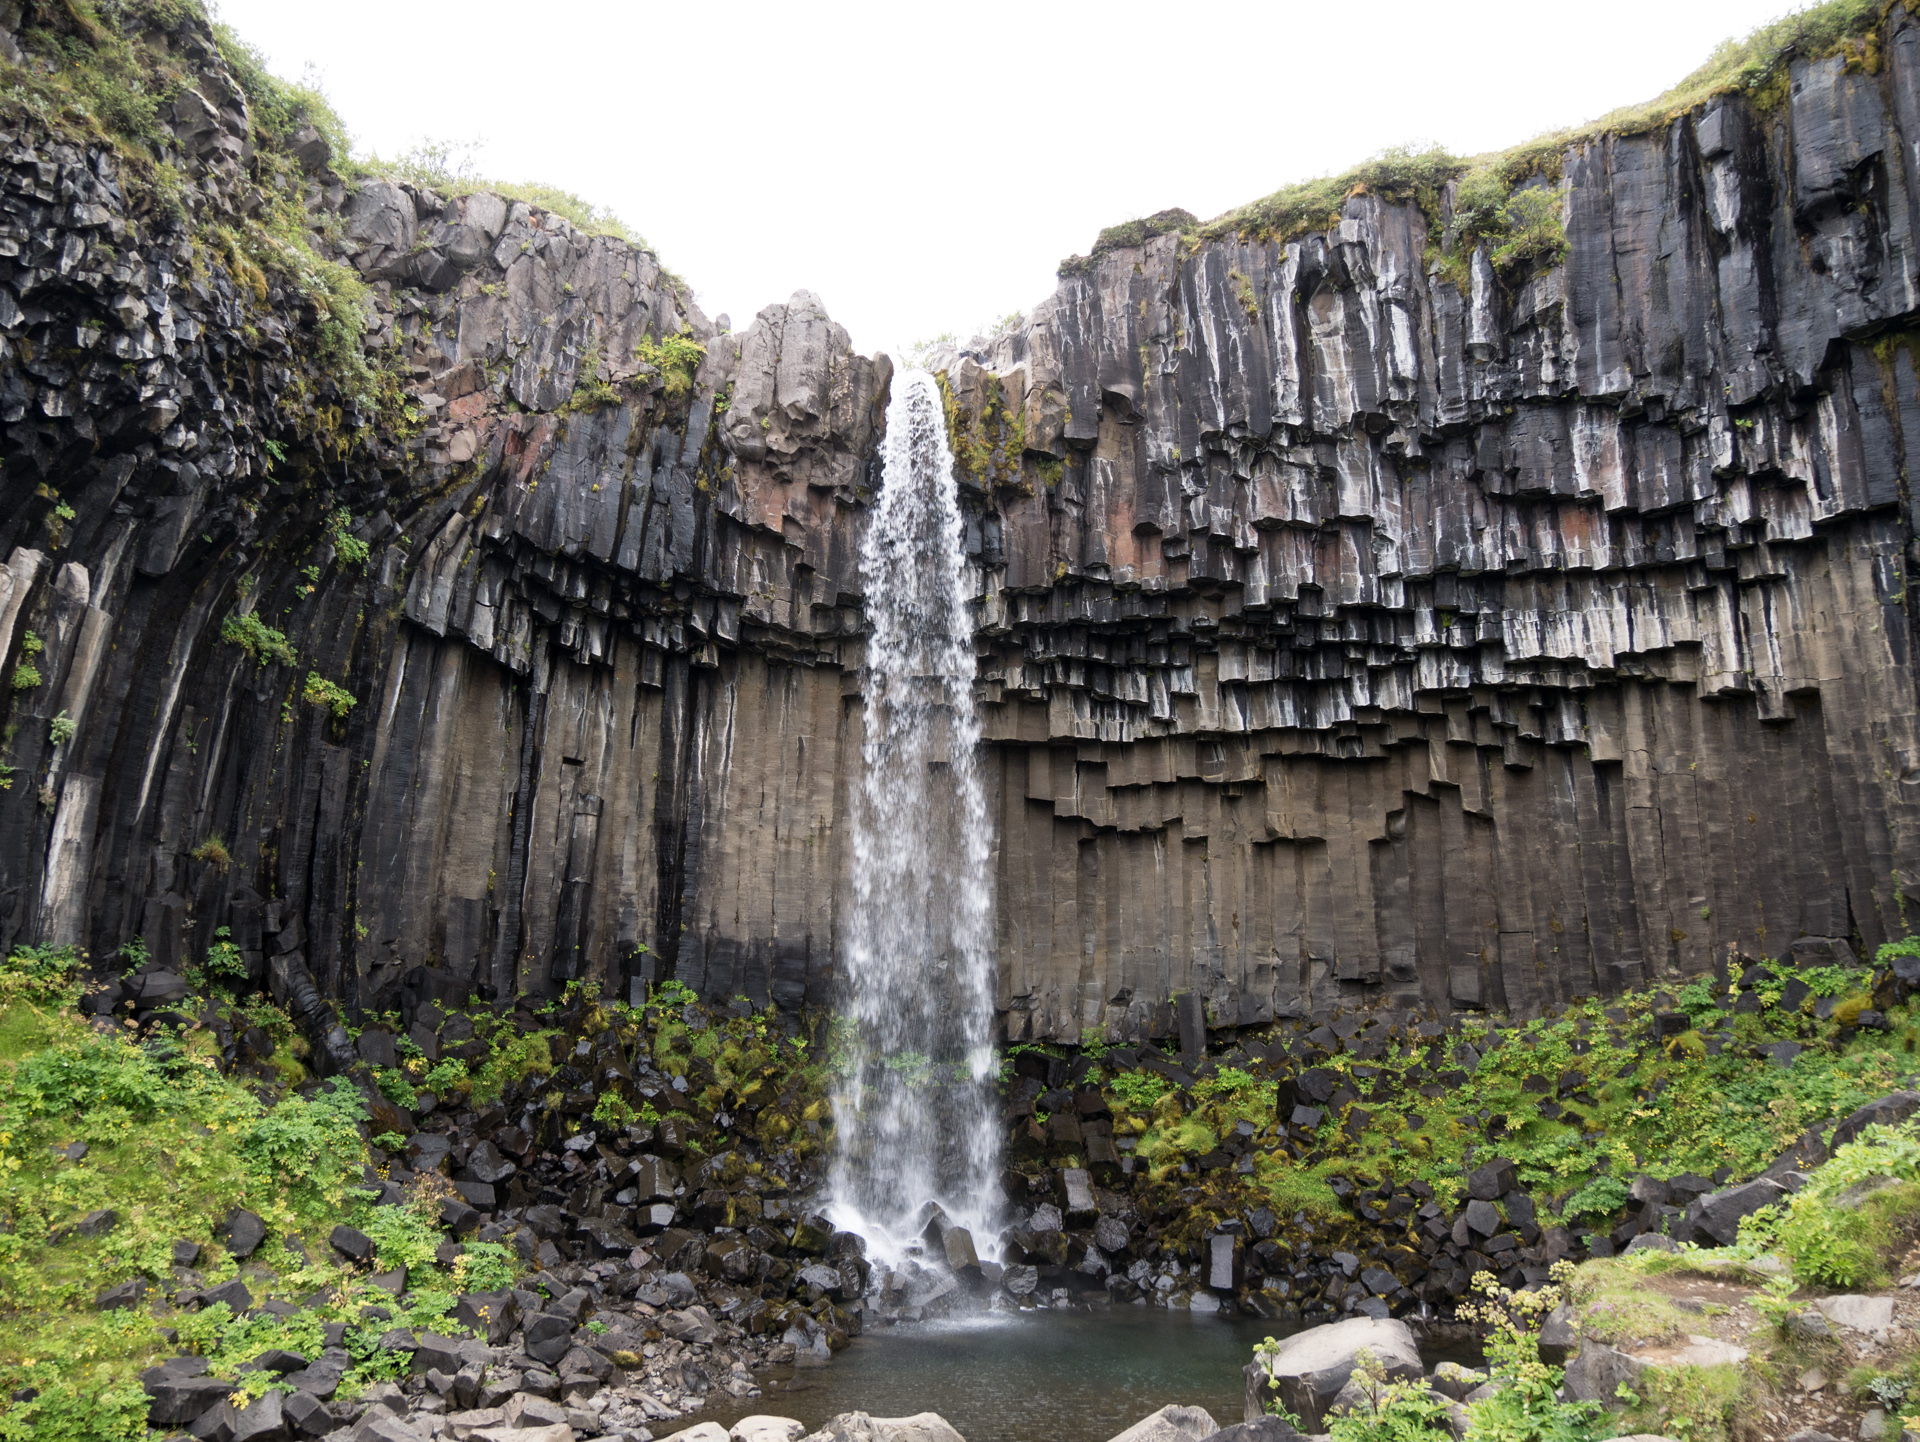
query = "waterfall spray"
{"x": 914, "y": 1117}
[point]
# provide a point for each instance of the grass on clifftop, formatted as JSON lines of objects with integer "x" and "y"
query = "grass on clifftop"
{"x": 1755, "y": 66}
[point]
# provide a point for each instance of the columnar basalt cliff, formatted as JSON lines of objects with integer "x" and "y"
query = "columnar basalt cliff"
{"x": 1357, "y": 623}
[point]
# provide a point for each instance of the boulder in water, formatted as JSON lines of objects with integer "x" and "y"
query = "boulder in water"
{"x": 1310, "y": 1367}
{"x": 859, "y": 1427}
{"x": 1172, "y": 1424}
{"x": 762, "y": 1428}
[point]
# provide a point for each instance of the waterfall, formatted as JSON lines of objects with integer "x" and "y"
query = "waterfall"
{"x": 914, "y": 1119}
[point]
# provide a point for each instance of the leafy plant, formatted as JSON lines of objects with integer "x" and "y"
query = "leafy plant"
{"x": 676, "y": 357}
{"x": 26, "y": 676}
{"x": 352, "y": 552}
{"x": 1138, "y": 1090}
{"x": 214, "y": 850}
{"x": 61, "y": 728}
{"x": 1601, "y": 1197}
{"x": 1399, "y": 1411}
{"x": 613, "y": 1110}
{"x": 224, "y": 958}
{"x": 395, "y": 1085}
{"x": 1526, "y": 1407}
{"x": 322, "y": 692}
{"x": 257, "y": 639}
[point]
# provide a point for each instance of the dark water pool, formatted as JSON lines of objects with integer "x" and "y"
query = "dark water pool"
{"x": 1037, "y": 1377}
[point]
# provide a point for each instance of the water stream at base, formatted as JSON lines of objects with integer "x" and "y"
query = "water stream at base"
{"x": 914, "y": 1119}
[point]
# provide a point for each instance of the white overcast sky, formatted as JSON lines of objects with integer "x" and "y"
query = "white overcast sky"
{"x": 923, "y": 168}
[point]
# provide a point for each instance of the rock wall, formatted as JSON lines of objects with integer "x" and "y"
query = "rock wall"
{"x": 1356, "y": 626}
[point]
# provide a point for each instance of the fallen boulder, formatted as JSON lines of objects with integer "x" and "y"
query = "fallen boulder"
{"x": 1308, "y": 1369}
{"x": 1171, "y": 1424}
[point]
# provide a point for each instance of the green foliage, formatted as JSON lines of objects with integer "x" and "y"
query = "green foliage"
{"x": 1905, "y": 946}
{"x": 676, "y": 357}
{"x": 257, "y": 639}
{"x": 395, "y": 1085}
{"x": 590, "y": 391}
{"x": 61, "y": 728}
{"x": 1138, "y": 1090}
{"x": 351, "y": 552}
{"x": 310, "y": 1146}
{"x": 322, "y": 692}
{"x": 402, "y": 1236}
{"x": 1527, "y": 1407}
{"x": 613, "y": 1110}
{"x": 1601, "y": 1197}
{"x": 26, "y": 676}
{"x": 449, "y": 1077}
{"x": 224, "y": 958}
{"x": 74, "y": 1408}
{"x": 1531, "y": 223}
{"x": 1400, "y": 173}
{"x": 1402, "y": 1411}
{"x": 1849, "y": 1245}
{"x": 172, "y": 1145}
{"x": 279, "y": 108}
{"x": 485, "y": 1267}
{"x": 448, "y": 168}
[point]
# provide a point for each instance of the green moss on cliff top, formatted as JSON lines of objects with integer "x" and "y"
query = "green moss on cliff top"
{"x": 1755, "y": 66}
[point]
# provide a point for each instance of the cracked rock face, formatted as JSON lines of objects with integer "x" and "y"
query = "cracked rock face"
{"x": 1351, "y": 629}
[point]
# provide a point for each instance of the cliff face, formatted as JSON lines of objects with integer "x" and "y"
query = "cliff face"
{"x": 1355, "y": 627}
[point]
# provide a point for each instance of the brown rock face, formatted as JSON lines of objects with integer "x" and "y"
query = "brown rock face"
{"x": 1345, "y": 635}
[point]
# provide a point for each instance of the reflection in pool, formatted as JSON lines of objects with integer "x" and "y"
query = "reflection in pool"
{"x": 1034, "y": 1377}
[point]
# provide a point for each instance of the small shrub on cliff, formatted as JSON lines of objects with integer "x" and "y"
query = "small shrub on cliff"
{"x": 351, "y": 551}
{"x": 214, "y": 850}
{"x": 257, "y": 639}
{"x": 676, "y": 357}
{"x": 26, "y": 676}
{"x": 319, "y": 691}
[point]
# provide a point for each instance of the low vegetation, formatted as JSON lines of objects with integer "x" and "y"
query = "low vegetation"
{"x": 1510, "y": 198}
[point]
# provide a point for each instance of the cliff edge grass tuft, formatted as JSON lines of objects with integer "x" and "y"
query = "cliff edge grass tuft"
{"x": 1755, "y": 66}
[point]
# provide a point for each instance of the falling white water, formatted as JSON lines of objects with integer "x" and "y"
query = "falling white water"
{"x": 914, "y": 1120}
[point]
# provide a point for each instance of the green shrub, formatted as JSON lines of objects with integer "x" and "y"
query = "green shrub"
{"x": 26, "y": 676}
{"x": 1527, "y": 1407}
{"x": 224, "y": 958}
{"x": 1850, "y": 1246}
{"x": 1138, "y": 1090}
{"x": 676, "y": 357}
{"x": 61, "y": 728}
{"x": 319, "y": 691}
{"x": 1402, "y": 1411}
{"x": 350, "y": 551}
{"x": 395, "y": 1085}
{"x": 1601, "y": 1197}
{"x": 257, "y": 639}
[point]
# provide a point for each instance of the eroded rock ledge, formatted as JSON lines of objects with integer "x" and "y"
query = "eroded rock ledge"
{"x": 1350, "y": 631}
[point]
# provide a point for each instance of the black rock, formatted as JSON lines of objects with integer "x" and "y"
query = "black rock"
{"x": 351, "y": 1243}
{"x": 125, "y": 1294}
{"x": 1492, "y": 1180}
{"x": 242, "y": 1233}
{"x": 1717, "y": 1214}
{"x": 1883, "y": 1111}
{"x": 548, "y": 1338}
